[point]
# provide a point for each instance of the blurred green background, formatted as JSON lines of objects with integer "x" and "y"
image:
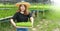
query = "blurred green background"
{"x": 47, "y": 20}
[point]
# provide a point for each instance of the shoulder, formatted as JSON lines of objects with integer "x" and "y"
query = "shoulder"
{"x": 30, "y": 13}
{"x": 16, "y": 13}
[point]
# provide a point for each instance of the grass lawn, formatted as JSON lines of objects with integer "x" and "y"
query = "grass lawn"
{"x": 50, "y": 23}
{"x": 24, "y": 24}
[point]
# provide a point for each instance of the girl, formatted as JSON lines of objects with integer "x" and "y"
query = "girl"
{"x": 22, "y": 15}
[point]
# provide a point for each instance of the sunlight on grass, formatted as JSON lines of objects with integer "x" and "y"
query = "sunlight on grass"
{"x": 49, "y": 23}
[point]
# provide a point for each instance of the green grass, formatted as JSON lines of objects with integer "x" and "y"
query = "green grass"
{"x": 52, "y": 18}
{"x": 5, "y": 26}
{"x": 24, "y": 24}
{"x": 8, "y": 10}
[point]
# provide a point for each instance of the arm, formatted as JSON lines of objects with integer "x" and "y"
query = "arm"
{"x": 32, "y": 20}
{"x": 13, "y": 23}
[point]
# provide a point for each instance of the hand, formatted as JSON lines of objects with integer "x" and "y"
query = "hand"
{"x": 14, "y": 25}
{"x": 17, "y": 26}
{"x": 32, "y": 24}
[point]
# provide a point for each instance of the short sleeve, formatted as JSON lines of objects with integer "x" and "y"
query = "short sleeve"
{"x": 14, "y": 16}
{"x": 30, "y": 15}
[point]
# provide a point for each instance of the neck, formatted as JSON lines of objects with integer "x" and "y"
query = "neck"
{"x": 22, "y": 12}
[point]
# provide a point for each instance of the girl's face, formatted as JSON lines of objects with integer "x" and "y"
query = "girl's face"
{"x": 22, "y": 8}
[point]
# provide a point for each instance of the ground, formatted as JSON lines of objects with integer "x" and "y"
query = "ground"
{"x": 49, "y": 22}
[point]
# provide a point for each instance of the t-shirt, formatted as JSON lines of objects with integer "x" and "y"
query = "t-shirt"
{"x": 21, "y": 17}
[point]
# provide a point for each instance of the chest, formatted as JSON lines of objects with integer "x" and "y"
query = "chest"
{"x": 22, "y": 16}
